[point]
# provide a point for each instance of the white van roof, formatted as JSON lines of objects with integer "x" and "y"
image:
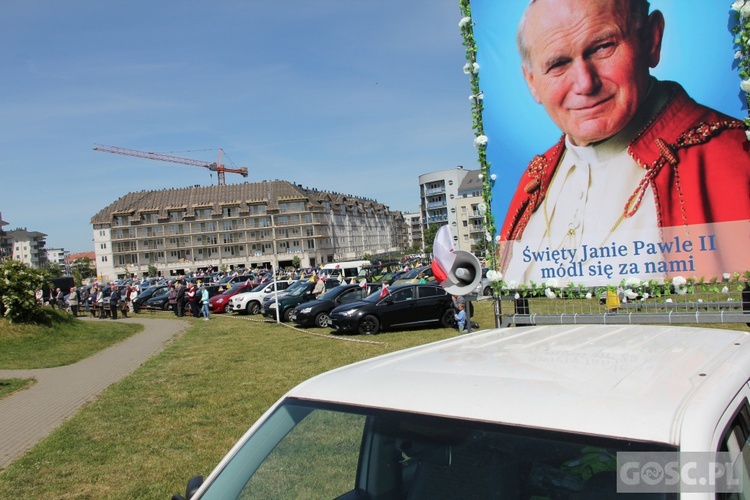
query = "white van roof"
{"x": 631, "y": 381}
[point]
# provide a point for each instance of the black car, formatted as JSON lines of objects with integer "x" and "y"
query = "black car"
{"x": 292, "y": 299}
{"x": 316, "y": 313}
{"x": 158, "y": 302}
{"x": 145, "y": 294}
{"x": 401, "y": 306}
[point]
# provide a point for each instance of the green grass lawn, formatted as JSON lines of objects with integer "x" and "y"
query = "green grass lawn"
{"x": 12, "y": 385}
{"x": 178, "y": 414}
{"x": 65, "y": 341}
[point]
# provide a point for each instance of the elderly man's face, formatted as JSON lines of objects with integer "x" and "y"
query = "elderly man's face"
{"x": 585, "y": 68}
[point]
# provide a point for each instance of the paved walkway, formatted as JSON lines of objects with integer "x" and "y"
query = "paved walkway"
{"x": 28, "y": 416}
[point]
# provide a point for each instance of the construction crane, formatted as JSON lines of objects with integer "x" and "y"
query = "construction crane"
{"x": 217, "y": 166}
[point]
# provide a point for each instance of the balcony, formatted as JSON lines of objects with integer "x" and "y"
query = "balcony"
{"x": 436, "y": 190}
{"x": 437, "y": 218}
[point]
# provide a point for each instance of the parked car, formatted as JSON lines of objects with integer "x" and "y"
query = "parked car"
{"x": 391, "y": 277}
{"x": 415, "y": 275}
{"x": 252, "y": 301}
{"x": 220, "y": 303}
{"x": 529, "y": 412}
{"x": 403, "y": 306}
{"x": 161, "y": 301}
{"x": 146, "y": 294}
{"x": 317, "y": 312}
{"x": 288, "y": 302}
{"x": 158, "y": 302}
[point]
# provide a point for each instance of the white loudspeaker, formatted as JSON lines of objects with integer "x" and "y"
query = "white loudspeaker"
{"x": 465, "y": 275}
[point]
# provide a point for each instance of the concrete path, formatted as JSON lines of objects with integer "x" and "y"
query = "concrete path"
{"x": 28, "y": 416}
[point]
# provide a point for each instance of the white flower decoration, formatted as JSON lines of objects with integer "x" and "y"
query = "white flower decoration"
{"x": 680, "y": 290}
{"x": 552, "y": 283}
{"x": 482, "y": 207}
{"x": 494, "y": 276}
{"x": 487, "y": 236}
{"x": 480, "y": 141}
{"x": 480, "y": 176}
{"x": 668, "y": 301}
{"x": 517, "y": 296}
{"x": 493, "y": 177}
{"x": 512, "y": 284}
{"x": 464, "y": 21}
{"x": 738, "y": 54}
{"x": 679, "y": 281}
{"x": 725, "y": 289}
{"x": 588, "y": 296}
{"x": 549, "y": 293}
{"x": 743, "y": 7}
{"x": 475, "y": 68}
{"x": 745, "y": 85}
{"x": 634, "y": 282}
{"x": 467, "y": 68}
{"x": 645, "y": 296}
{"x": 630, "y": 294}
{"x": 727, "y": 276}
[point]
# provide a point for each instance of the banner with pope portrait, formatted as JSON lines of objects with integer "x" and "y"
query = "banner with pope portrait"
{"x": 614, "y": 148}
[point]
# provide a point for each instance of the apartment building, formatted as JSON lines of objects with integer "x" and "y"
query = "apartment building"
{"x": 415, "y": 233}
{"x": 260, "y": 224}
{"x": 27, "y": 247}
{"x": 57, "y": 256}
{"x": 470, "y": 227}
{"x": 437, "y": 194}
{"x": 5, "y": 243}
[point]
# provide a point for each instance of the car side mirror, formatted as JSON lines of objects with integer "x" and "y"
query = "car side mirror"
{"x": 192, "y": 486}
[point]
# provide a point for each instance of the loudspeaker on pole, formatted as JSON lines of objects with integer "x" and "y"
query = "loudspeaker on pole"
{"x": 465, "y": 274}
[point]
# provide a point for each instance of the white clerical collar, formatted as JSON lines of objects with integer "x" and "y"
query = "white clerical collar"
{"x": 607, "y": 149}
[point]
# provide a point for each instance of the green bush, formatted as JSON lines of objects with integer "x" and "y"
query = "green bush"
{"x": 18, "y": 284}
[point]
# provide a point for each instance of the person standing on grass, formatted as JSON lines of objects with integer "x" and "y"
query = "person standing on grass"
{"x": 180, "y": 299}
{"x": 204, "y": 302}
{"x": 172, "y": 299}
{"x": 114, "y": 300}
{"x": 73, "y": 301}
{"x": 83, "y": 299}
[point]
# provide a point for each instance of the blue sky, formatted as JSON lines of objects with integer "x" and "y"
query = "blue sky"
{"x": 359, "y": 97}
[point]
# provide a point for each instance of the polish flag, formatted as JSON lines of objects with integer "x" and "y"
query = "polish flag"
{"x": 384, "y": 291}
{"x": 363, "y": 284}
{"x": 443, "y": 256}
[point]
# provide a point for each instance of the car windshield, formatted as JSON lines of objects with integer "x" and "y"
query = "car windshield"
{"x": 234, "y": 289}
{"x": 259, "y": 288}
{"x": 412, "y": 274}
{"x": 331, "y": 294}
{"x": 372, "y": 453}
{"x": 298, "y": 291}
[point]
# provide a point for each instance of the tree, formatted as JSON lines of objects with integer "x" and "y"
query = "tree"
{"x": 82, "y": 268}
{"x": 18, "y": 285}
{"x": 429, "y": 237}
{"x": 54, "y": 270}
{"x": 296, "y": 262}
{"x": 152, "y": 271}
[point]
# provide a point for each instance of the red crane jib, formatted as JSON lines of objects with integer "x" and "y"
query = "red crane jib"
{"x": 217, "y": 166}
